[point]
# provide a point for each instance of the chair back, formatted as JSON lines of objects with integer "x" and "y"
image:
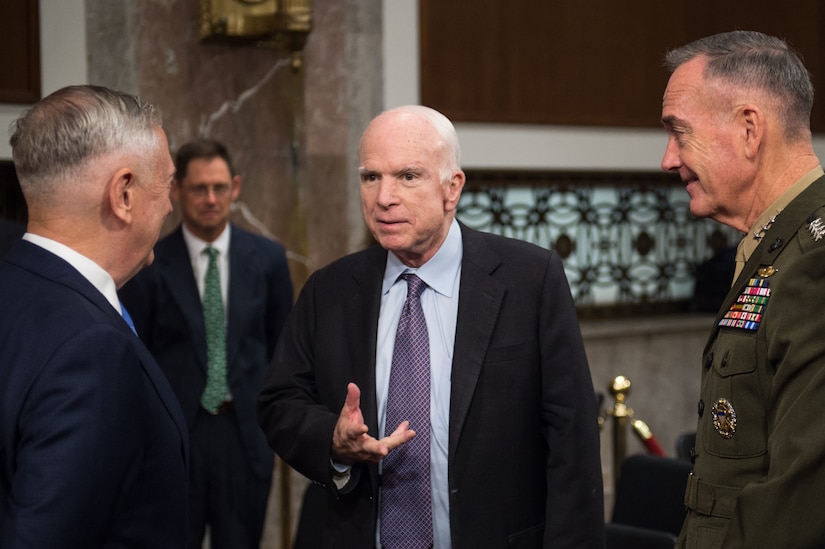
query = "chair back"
{"x": 650, "y": 493}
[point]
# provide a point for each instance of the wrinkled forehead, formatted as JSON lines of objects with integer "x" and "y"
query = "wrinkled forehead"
{"x": 394, "y": 134}
{"x": 688, "y": 88}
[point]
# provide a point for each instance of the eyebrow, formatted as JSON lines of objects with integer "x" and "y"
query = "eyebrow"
{"x": 410, "y": 168}
{"x": 672, "y": 121}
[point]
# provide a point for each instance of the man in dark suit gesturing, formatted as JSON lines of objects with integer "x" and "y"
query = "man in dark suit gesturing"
{"x": 215, "y": 351}
{"x": 437, "y": 385}
{"x": 93, "y": 444}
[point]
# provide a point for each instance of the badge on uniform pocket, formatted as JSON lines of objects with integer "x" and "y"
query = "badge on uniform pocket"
{"x": 724, "y": 418}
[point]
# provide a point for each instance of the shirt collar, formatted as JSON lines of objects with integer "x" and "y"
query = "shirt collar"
{"x": 196, "y": 245}
{"x": 439, "y": 272}
{"x": 90, "y": 270}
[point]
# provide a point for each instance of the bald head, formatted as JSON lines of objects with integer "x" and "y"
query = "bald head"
{"x": 425, "y": 123}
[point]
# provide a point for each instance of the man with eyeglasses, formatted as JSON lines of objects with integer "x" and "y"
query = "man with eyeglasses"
{"x": 210, "y": 309}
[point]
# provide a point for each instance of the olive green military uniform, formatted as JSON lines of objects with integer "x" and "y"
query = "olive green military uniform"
{"x": 759, "y": 469}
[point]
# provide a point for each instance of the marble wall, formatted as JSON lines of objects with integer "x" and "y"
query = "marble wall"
{"x": 291, "y": 123}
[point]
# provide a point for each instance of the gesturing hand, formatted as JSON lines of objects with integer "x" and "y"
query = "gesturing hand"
{"x": 350, "y": 441}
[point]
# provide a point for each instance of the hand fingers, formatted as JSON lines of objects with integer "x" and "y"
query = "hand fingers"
{"x": 402, "y": 434}
{"x": 373, "y": 450}
{"x": 350, "y": 440}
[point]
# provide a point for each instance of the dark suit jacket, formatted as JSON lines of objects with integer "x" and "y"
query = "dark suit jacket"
{"x": 524, "y": 468}
{"x": 164, "y": 302}
{"x": 93, "y": 445}
{"x": 10, "y": 232}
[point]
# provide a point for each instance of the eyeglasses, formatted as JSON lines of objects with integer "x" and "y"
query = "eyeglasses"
{"x": 220, "y": 190}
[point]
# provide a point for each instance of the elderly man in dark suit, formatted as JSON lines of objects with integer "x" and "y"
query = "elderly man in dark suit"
{"x": 436, "y": 385}
{"x": 93, "y": 444}
{"x": 215, "y": 365}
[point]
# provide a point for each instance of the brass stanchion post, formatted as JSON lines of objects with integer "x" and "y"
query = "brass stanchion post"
{"x": 619, "y": 388}
{"x": 285, "y": 503}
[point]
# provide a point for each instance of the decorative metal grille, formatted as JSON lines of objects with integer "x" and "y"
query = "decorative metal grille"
{"x": 628, "y": 241}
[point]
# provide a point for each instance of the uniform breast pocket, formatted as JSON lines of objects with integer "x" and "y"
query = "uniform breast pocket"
{"x": 733, "y": 399}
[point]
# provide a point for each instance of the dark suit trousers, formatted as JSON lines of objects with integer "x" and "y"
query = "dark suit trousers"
{"x": 224, "y": 492}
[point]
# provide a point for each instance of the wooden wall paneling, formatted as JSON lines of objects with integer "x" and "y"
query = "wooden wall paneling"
{"x": 590, "y": 62}
{"x": 20, "y": 44}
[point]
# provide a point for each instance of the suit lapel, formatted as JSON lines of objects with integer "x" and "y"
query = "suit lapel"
{"x": 165, "y": 394}
{"x": 176, "y": 269}
{"x": 361, "y": 309}
{"x": 479, "y": 301}
{"x": 241, "y": 292}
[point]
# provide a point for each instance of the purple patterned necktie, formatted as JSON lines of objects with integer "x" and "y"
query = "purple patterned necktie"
{"x": 406, "y": 510}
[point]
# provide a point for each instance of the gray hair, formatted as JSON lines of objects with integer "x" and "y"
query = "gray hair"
{"x": 755, "y": 60}
{"x": 74, "y": 125}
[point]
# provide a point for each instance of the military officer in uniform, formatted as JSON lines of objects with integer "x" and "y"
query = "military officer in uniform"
{"x": 737, "y": 112}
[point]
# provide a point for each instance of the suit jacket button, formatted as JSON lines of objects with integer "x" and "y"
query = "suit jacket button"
{"x": 701, "y": 408}
{"x": 708, "y": 360}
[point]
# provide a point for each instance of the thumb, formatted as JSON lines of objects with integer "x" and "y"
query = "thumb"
{"x": 353, "y": 401}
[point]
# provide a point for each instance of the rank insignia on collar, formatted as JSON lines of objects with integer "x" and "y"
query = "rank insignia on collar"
{"x": 767, "y": 270}
{"x": 724, "y": 418}
{"x": 817, "y": 228}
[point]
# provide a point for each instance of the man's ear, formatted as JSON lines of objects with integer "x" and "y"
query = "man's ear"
{"x": 452, "y": 190}
{"x": 121, "y": 194}
{"x": 752, "y": 121}
{"x": 236, "y": 187}
{"x": 174, "y": 192}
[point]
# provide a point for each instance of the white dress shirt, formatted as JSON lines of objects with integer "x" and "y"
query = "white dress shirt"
{"x": 200, "y": 260}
